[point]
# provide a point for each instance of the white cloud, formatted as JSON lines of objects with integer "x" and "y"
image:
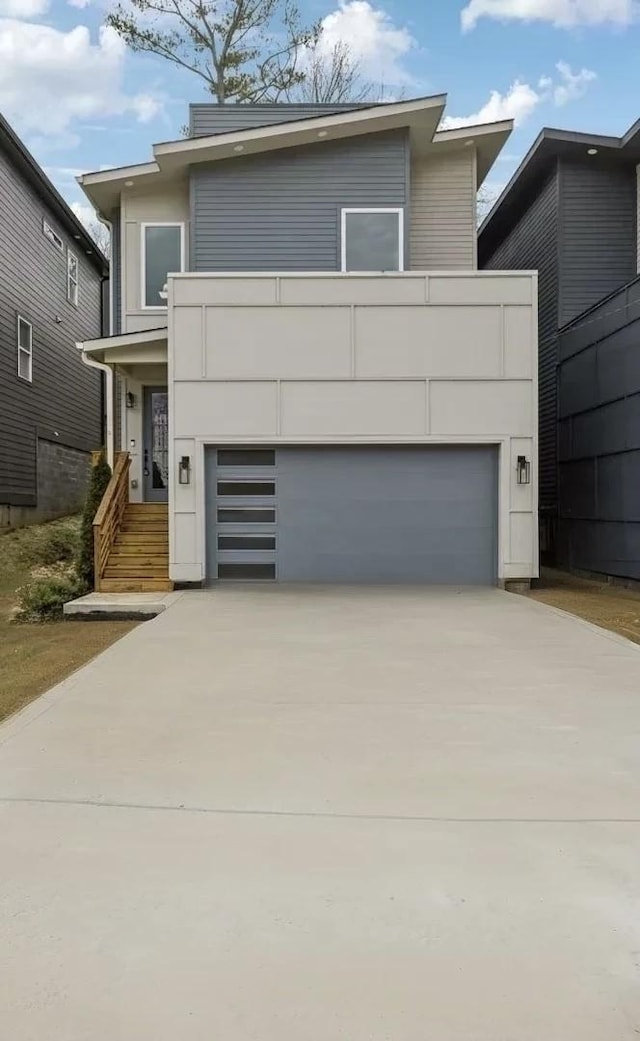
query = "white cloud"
{"x": 80, "y": 4}
{"x": 562, "y": 13}
{"x": 85, "y": 214}
{"x": 23, "y": 8}
{"x": 521, "y": 100}
{"x": 518, "y": 103}
{"x": 573, "y": 85}
{"x": 49, "y": 79}
{"x": 373, "y": 39}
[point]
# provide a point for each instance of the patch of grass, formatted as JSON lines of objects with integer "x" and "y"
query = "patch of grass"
{"x": 34, "y": 657}
{"x": 610, "y": 607}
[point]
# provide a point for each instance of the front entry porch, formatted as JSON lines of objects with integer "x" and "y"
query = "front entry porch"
{"x": 131, "y": 527}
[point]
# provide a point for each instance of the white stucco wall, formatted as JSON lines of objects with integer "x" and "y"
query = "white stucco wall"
{"x": 437, "y": 358}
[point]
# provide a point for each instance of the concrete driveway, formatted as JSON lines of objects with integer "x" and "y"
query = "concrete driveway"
{"x": 317, "y": 814}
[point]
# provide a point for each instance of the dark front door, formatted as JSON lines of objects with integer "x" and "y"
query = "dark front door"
{"x": 156, "y": 445}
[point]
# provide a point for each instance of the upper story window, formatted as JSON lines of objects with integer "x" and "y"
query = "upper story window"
{"x": 25, "y": 349}
{"x": 52, "y": 235}
{"x": 162, "y": 253}
{"x": 373, "y": 239}
{"x": 72, "y": 278}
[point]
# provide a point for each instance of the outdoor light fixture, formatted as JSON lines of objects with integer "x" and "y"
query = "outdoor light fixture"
{"x": 184, "y": 470}
{"x": 524, "y": 470}
{"x": 131, "y": 399}
{"x": 592, "y": 151}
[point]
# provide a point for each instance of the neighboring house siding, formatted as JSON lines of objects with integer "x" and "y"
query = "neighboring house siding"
{"x": 532, "y": 245}
{"x": 281, "y": 211}
{"x": 599, "y": 443}
{"x": 205, "y": 120}
{"x": 638, "y": 219}
{"x": 63, "y": 403}
{"x": 598, "y": 233}
{"x": 443, "y": 212}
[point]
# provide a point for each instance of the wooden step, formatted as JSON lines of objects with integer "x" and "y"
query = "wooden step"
{"x": 147, "y": 507}
{"x": 135, "y": 585}
{"x": 144, "y": 526}
{"x": 133, "y": 562}
{"x": 136, "y": 570}
{"x": 133, "y": 538}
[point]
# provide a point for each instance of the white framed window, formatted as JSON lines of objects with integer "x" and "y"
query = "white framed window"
{"x": 372, "y": 239}
{"x": 161, "y": 253}
{"x": 72, "y": 278}
{"x": 52, "y": 235}
{"x": 25, "y": 349}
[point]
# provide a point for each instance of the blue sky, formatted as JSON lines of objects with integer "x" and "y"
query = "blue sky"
{"x": 81, "y": 101}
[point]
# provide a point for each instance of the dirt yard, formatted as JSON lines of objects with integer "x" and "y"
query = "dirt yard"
{"x": 34, "y": 657}
{"x": 605, "y": 605}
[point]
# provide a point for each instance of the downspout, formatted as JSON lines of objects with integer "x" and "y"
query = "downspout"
{"x": 108, "y": 394}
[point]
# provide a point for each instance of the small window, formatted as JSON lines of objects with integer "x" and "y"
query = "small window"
{"x": 246, "y": 488}
{"x": 246, "y": 515}
{"x": 72, "y": 278}
{"x": 246, "y": 542}
{"x": 248, "y": 572}
{"x": 373, "y": 240}
{"x": 162, "y": 254}
{"x": 53, "y": 237}
{"x": 246, "y": 457}
{"x": 25, "y": 349}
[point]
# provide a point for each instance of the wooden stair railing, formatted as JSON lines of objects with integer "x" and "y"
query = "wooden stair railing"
{"x": 108, "y": 519}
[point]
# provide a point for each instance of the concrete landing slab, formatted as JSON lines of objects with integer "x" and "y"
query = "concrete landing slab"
{"x": 118, "y": 606}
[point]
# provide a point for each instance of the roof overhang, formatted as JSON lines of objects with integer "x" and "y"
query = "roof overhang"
{"x": 488, "y": 139}
{"x": 549, "y": 146}
{"x": 145, "y": 347}
{"x": 172, "y": 159}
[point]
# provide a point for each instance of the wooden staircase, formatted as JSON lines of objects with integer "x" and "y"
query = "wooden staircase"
{"x": 131, "y": 540}
{"x": 139, "y": 558}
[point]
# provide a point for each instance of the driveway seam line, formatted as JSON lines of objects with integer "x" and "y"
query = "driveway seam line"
{"x": 314, "y": 814}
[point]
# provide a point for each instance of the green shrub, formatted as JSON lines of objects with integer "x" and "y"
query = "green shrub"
{"x": 98, "y": 481}
{"x": 42, "y": 599}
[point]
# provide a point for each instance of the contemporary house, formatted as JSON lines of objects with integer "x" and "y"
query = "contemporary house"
{"x": 52, "y": 286}
{"x": 317, "y": 384}
{"x": 571, "y": 212}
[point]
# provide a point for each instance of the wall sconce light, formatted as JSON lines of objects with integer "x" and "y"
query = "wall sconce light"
{"x": 131, "y": 399}
{"x": 524, "y": 470}
{"x": 184, "y": 470}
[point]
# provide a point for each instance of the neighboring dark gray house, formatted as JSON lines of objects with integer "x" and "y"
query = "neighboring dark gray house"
{"x": 571, "y": 212}
{"x": 51, "y": 296}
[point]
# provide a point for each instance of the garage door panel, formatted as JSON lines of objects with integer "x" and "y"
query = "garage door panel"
{"x": 364, "y": 514}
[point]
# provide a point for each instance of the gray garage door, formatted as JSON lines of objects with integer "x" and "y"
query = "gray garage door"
{"x": 371, "y": 514}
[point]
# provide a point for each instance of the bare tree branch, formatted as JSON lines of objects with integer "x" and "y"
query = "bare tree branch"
{"x": 244, "y": 50}
{"x": 334, "y": 76}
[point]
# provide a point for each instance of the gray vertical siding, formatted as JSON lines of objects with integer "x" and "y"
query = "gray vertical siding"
{"x": 210, "y": 118}
{"x": 532, "y": 244}
{"x": 598, "y": 215}
{"x": 281, "y": 211}
{"x": 599, "y": 444}
{"x": 63, "y": 404}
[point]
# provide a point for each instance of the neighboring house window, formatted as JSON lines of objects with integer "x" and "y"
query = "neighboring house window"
{"x": 53, "y": 237}
{"x": 162, "y": 254}
{"x": 373, "y": 239}
{"x": 25, "y": 349}
{"x": 72, "y": 278}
